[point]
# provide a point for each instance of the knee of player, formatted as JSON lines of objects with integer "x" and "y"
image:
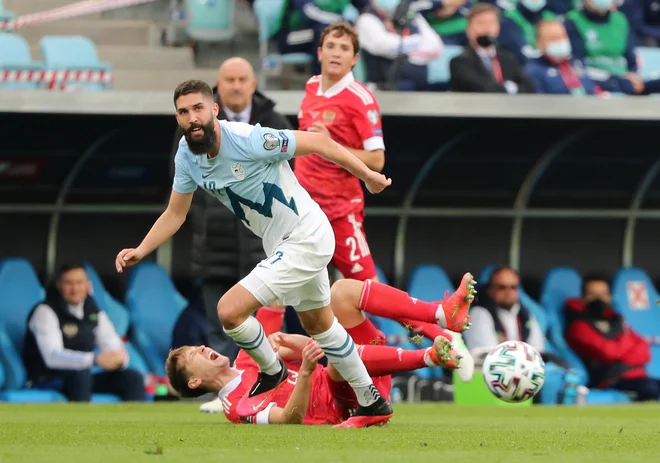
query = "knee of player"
{"x": 229, "y": 314}
{"x": 345, "y": 295}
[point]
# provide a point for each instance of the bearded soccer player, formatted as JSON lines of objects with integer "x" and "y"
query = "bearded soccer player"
{"x": 198, "y": 370}
{"x": 245, "y": 168}
{"x": 340, "y": 107}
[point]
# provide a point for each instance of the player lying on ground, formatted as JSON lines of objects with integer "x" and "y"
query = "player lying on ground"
{"x": 194, "y": 371}
{"x": 245, "y": 167}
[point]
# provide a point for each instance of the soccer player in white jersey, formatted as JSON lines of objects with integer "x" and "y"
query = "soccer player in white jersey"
{"x": 245, "y": 167}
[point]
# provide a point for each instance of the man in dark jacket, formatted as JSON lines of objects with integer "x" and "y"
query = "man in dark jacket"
{"x": 614, "y": 355}
{"x": 223, "y": 250}
{"x": 483, "y": 67}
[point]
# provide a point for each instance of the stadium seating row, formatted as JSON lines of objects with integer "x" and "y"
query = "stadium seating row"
{"x": 60, "y": 53}
{"x": 153, "y": 305}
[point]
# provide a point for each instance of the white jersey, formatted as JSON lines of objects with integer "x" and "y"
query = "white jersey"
{"x": 251, "y": 176}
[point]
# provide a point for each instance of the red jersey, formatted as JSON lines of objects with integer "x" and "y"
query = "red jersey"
{"x": 322, "y": 407}
{"x": 351, "y": 114}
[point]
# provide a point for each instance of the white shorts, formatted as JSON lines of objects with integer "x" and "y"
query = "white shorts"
{"x": 296, "y": 272}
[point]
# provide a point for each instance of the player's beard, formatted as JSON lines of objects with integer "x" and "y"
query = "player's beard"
{"x": 202, "y": 145}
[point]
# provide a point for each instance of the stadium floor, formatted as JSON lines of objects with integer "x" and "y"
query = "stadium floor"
{"x": 177, "y": 432}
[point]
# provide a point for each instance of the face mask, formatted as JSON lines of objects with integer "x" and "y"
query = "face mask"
{"x": 596, "y": 307}
{"x": 602, "y": 5}
{"x": 485, "y": 41}
{"x": 533, "y": 5}
{"x": 387, "y": 6}
{"x": 561, "y": 49}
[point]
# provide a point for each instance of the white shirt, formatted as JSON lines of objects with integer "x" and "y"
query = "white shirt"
{"x": 244, "y": 116}
{"x": 45, "y": 326}
{"x": 482, "y": 334}
{"x": 420, "y": 48}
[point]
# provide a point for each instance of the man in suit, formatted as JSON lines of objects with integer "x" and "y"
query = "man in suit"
{"x": 483, "y": 67}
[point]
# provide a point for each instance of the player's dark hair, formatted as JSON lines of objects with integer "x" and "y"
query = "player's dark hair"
{"x": 192, "y": 86}
{"x": 68, "y": 267}
{"x": 339, "y": 29}
{"x": 590, "y": 278}
{"x": 178, "y": 376}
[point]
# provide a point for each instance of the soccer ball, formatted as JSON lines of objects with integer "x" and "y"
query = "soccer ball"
{"x": 514, "y": 371}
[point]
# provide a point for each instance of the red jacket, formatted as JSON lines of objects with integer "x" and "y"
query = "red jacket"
{"x": 610, "y": 349}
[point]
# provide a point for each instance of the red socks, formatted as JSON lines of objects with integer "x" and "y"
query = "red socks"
{"x": 387, "y": 302}
{"x": 388, "y": 360}
{"x": 428, "y": 330}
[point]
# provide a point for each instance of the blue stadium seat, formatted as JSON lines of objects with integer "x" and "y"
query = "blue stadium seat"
{"x": 73, "y": 53}
{"x": 5, "y": 15}
{"x": 559, "y": 285}
{"x": 15, "y": 56}
{"x": 119, "y": 317}
{"x": 650, "y": 63}
{"x": 155, "y": 306}
{"x": 438, "y": 69}
{"x": 636, "y": 299}
{"x": 211, "y": 20}
{"x": 429, "y": 283}
{"x": 268, "y": 14}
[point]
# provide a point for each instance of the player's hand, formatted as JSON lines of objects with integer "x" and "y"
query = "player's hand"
{"x": 311, "y": 354}
{"x": 126, "y": 258}
{"x": 377, "y": 182}
{"x": 319, "y": 127}
{"x": 275, "y": 341}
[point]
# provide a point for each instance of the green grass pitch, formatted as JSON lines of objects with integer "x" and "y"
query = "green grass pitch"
{"x": 433, "y": 433}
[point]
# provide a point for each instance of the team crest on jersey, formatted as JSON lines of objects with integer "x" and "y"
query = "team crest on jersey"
{"x": 328, "y": 117}
{"x": 373, "y": 116}
{"x": 238, "y": 170}
{"x": 70, "y": 330}
{"x": 271, "y": 141}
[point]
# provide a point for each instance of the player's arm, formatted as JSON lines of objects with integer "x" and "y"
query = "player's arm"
{"x": 169, "y": 221}
{"x": 295, "y": 409}
{"x": 288, "y": 346}
{"x": 324, "y": 146}
{"x": 374, "y": 160}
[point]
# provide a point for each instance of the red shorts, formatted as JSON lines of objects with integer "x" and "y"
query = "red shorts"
{"x": 352, "y": 255}
{"x": 342, "y": 393}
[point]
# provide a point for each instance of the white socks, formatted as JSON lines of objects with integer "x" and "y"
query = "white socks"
{"x": 341, "y": 352}
{"x": 250, "y": 337}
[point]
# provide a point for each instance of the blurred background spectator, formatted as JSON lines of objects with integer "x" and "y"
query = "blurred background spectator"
{"x": 396, "y": 51}
{"x": 63, "y": 333}
{"x": 498, "y": 315}
{"x": 556, "y": 71}
{"x": 518, "y": 29}
{"x": 613, "y": 353}
{"x": 484, "y": 67}
{"x": 448, "y": 18}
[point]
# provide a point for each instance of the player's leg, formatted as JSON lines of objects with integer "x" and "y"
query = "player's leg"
{"x": 388, "y": 302}
{"x": 352, "y": 256}
{"x": 235, "y": 309}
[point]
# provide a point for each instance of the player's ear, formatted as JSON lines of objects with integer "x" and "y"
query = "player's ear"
{"x": 318, "y": 54}
{"x": 356, "y": 57}
{"x": 194, "y": 383}
{"x": 216, "y": 109}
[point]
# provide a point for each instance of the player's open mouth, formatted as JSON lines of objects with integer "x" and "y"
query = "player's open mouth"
{"x": 213, "y": 356}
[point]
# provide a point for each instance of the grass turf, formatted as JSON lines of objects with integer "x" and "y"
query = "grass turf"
{"x": 178, "y": 432}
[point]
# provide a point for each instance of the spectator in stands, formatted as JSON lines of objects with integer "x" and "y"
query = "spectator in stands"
{"x": 382, "y": 45}
{"x": 303, "y": 22}
{"x": 223, "y": 250}
{"x": 484, "y": 67}
{"x": 614, "y": 355}
{"x": 448, "y": 18}
{"x": 518, "y": 34}
{"x": 556, "y": 71}
{"x": 499, "y": 316}
{"x": 63, "y": 332}
{"x": 602, "y": 38}
{"x": 644, "y": 19}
